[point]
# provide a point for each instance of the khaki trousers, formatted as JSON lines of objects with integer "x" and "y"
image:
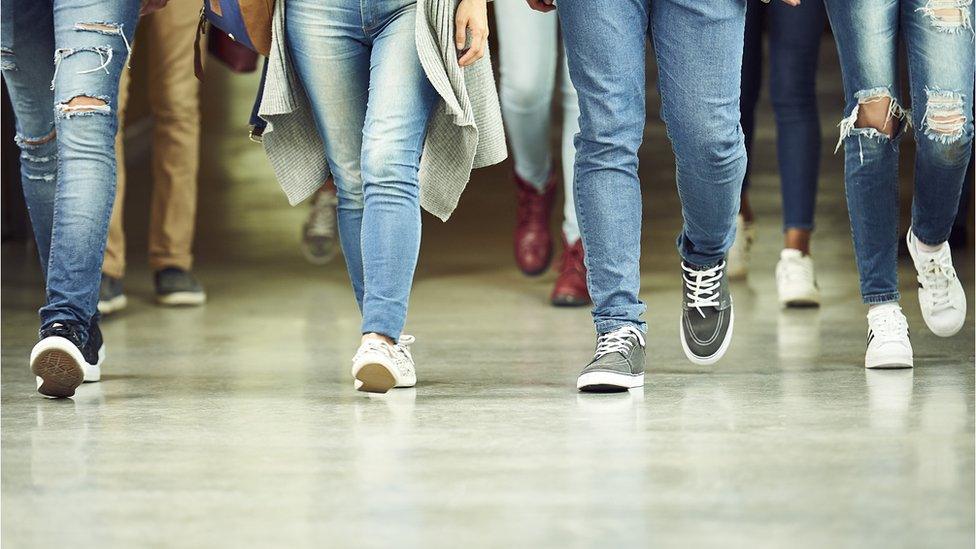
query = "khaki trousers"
{"x": 174, "y": 100}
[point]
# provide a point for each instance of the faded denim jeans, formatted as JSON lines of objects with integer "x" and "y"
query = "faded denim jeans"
{"x": 939, "y": 40}
{"x": 371, "y": 100}
{"x": 61, "y": 61}
{"x": 698, "y": 46}
{"x": 528, "y": 67}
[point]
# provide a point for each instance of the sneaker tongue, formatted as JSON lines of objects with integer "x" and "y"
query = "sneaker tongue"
{"x": 883, "y": 309}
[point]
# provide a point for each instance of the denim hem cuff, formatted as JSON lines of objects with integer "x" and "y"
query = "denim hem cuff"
{"x": 930, "y": 241}
{"x": 382, "y": 329}
{"x": 607, "y": 326}
{"x": 877, "y": 299}
{"x": 800, "y": 226}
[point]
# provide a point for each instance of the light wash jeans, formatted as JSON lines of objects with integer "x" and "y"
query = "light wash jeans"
{"x": 371, "y": 98}
{"x": 941, "y": 73}
{"x": 529, "y": 61}
{"x": 52, "y": 52}
{"x": 699, "y": 56}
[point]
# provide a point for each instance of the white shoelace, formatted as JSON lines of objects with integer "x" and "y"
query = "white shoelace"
{"x": 704, "y": 286}
{"x": 322, "y": 217}
{"x": 618, "y": 341}
{"x": 889, "y": 325}
{"x": 936, "y": 276}
{"x": 402, "y": 348}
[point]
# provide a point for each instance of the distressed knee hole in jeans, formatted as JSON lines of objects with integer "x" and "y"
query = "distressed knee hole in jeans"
{"x": 944, "y": 118}
{"x": 29, "y": 145}
{"x": 105, "y": 54}
{"x": 29, "y": 142}
{"x": 949, "y": 16}
{"x": 82, "y": 105}
{"x": 110, "y": 29}
{"x": 7, "y": 62}
{"x": 882, "y": 125}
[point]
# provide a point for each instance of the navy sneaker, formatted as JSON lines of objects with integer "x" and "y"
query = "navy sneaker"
{"x": 62, "y": 362}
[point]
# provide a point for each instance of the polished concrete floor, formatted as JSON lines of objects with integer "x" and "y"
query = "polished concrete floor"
{"x": 236, "y": 424}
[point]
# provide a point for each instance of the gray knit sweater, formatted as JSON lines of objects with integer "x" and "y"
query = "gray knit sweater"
{"x": 465, "y": 131}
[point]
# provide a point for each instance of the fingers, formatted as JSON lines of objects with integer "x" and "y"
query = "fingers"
{"x": 467, "y": 23}
{"x": 460, "y": 24}
{"x": 479, "y": 42}
{"x": 541, "y": 5}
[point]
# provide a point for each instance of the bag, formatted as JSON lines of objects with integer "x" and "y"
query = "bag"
{"x": 232, "y": 54}
{"x": 247, "y": 22}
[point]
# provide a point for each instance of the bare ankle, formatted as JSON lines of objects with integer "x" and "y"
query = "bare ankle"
{"x": 797, "y": 239}
{"x": 373, "y": 336}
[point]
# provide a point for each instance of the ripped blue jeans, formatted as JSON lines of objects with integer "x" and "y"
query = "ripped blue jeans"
{"x": 939, "y": 39}
{"x": 61, "y": 61}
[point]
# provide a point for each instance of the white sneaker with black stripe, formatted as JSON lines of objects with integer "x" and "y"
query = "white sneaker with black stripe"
{"x": 940, "y": 294}
{"x": 888, "y": 343}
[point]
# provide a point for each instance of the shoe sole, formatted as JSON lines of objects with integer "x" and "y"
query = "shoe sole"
{"x": 608, "y": 382}
{"x": 182, "y": 299}
{"x": 113, "y": 305}
{"x": 566, "y": 301}
{"x": 947, "y": 333}
{"x": 537, "y": 272}
{"x": 317, "y": 259}
{"x": 708, "y": 360}
{"x": 59, "y": 367}
{"x": 803, "y": 302}
{"x": 92, "y": 372}
{"x": 889, "y": 363}
{"x": 375, "y": 378}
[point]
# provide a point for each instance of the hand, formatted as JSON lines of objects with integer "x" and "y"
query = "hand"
{"x": 542, "y": 5}
{"x": 149, "y": 6}
{"x": 471, "y": 17}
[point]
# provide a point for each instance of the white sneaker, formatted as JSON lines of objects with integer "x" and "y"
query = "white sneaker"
{"x": 740, "y": 254}
{"x": 795, "y": 280}
{"x": 940, "y": 293}
{"x": 379, "y": 366}
{"x": 888, "y": 342}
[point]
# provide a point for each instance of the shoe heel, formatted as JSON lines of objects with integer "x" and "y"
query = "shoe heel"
{"x": 60, "y": 374}
{"x": 375, "y": 378}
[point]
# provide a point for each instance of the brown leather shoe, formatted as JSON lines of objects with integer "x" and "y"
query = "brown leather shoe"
{"x": 533, "y": 243}
{"x": 570, "y": 290}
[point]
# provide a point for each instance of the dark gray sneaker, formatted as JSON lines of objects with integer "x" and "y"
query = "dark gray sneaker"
{"x": 111, "y": 297}
{"x": 178, "y": 287}
{"x": 706, "y": 313}
{"x": 618, "y": 363}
